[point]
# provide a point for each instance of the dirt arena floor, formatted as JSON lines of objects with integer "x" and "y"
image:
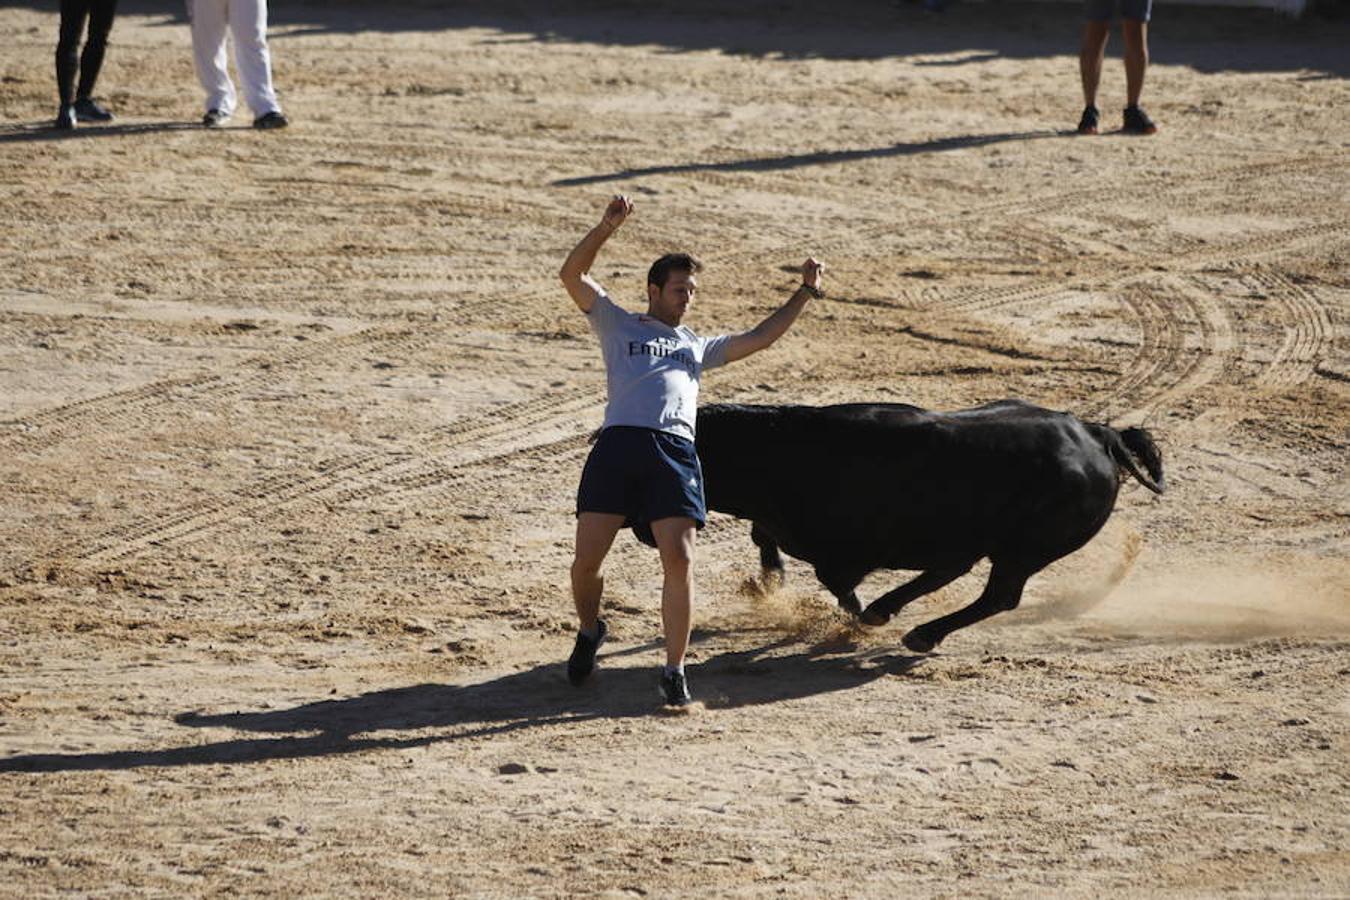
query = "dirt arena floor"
{"x": 291, "y": 424}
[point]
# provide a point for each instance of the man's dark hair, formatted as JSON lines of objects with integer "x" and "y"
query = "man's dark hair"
{"x": 672, "y": 262}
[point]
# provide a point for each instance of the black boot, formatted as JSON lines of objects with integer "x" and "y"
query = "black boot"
{"x": 89, "y": 110}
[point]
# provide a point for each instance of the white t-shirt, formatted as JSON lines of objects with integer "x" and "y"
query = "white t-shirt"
{"x": 652, "y": 369}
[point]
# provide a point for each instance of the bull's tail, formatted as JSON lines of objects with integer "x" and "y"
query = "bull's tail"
{"x": 1133, "y": 446}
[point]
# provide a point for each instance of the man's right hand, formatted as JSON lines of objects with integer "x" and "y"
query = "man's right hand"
{"x": 811, "y": 270}
{"x": 618, "y": 211}
{"x": 576, "y": 269}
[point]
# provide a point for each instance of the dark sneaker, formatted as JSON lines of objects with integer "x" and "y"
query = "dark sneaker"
{"x": 65, "y": 119}
{"x": 273, "y": 119}
{"x": 582, "y": 662}
{"x": 1137, "y": 122}
{"x": 88, "y": 110}
{"x": 675, "y": 689}
{"x": 1088, "y": 123}
{"x": 214, "y": 118}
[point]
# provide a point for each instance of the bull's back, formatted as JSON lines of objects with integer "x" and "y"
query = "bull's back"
{"x": 914, "y": 486}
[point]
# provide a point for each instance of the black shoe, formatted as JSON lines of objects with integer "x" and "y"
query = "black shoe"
{"x": 89, "y": 110}
{"x": 273, "y": 119}
{"x": 675, "y": 689}
{"x": 214, "y": 118}
{"x": 582, "y": 662}
{"x": 1088, "y": 124}
{"x": 1138, "y": 122}
{"x": 65, "y": 119}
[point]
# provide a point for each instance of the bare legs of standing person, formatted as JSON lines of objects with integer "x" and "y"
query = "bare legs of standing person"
{"x": 1091, "y": 55}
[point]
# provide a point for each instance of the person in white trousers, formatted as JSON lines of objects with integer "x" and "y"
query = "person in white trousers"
{"x": 247, "y": 23}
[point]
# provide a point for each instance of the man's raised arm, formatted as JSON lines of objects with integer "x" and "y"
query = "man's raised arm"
{"x": 576, "y": 269}
{"x": 778, "y": 322}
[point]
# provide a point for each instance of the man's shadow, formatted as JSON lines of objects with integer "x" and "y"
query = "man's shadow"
{"x": 536, "y": 697}
{"x": 33, "y": 132}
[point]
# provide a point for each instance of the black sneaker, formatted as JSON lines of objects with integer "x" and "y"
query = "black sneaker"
{"x": 88, "y": 110}
{"x": 582, "y": 661}
{"x": 1137, "y": 122}
{"x": 214, "y": 118}
{"x": 65, "y": 119}
{"x": 274, "y": 119}
{"x": 675, "y": 689}
{"x": 1088, "y": 123}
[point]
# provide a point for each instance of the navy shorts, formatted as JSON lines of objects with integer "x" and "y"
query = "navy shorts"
{"x": 642, "y": 475}
{"x": 1104, "y": 10}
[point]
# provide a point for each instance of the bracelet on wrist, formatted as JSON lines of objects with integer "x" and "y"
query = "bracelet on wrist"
{"x": 813, "y": 291}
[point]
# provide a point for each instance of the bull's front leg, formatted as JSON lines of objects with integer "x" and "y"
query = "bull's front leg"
{"x": 1002, "y": 592}
{"x": 879, "y": 612}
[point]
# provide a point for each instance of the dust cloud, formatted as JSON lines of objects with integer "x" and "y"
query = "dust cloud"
{"x": 1232, "y": 600}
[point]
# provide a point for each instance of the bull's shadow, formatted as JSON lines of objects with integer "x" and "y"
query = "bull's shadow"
{"x": 537, "y": 697}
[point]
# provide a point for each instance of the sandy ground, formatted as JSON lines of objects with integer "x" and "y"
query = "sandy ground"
{"x": 290, "y": 425}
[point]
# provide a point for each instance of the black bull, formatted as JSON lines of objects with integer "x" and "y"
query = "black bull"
{"x": 860, "y": 487}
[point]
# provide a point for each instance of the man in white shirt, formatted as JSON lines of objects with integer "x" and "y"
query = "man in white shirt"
{"x": 643, "y": 468}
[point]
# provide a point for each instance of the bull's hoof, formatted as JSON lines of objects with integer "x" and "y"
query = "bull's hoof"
{"x": 771, "y": 579}
{"x": 851, "y": 606}
{"x": 873, "y": 618}
{"x": 917, "y": 642}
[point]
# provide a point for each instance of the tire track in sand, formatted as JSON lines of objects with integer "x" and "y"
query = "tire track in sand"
{"x": 144, "y": 406}
{"x": 1177, "y": 193}
{"x": 1306, "y": 336}
{"x": 1188, "y": 338}
{"x": 1107, "y": 274}
{"x": 471, "y": 441}
{"x": 138, "y": 407}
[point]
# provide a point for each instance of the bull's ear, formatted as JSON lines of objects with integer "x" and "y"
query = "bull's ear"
{"x": 1139, "y": 444}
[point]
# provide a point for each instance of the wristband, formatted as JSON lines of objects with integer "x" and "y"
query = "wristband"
{"x": 813, "y": 291}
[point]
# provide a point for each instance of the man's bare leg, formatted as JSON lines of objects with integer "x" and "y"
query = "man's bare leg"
{"x": 1090, "y": 57}
{"x": 595, "y": 535}
{"x": 675, "y": 541}
{"x": 1136, "y": 58}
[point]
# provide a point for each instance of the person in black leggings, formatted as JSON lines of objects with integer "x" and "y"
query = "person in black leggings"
{"x": 77, "y": 104}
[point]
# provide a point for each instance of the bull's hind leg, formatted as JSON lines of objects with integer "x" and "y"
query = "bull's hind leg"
{"x": 1002, "y": 592}
{"x": 880, "y": 610}
{"x": 770, "y": 560}
{"x": 843, "y": 583}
